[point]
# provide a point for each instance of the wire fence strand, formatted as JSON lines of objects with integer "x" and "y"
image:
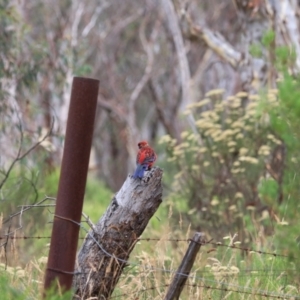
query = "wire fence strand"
{"x": 197, "y": 279}
{"x": 215, "y": 244}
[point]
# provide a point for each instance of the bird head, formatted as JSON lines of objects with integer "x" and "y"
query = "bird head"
{"x": 142, "y": 144}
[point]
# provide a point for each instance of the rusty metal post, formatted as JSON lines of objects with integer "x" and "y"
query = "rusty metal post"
{"x": 185, "y": 267}
{"x": 78, "y": 141}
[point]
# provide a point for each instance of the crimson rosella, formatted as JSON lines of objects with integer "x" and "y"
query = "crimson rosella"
{"x": 144, "y": 160}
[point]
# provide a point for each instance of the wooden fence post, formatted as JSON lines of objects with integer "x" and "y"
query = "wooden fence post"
{"x": 107, "y": 247}
{"x": 185, "y": 267}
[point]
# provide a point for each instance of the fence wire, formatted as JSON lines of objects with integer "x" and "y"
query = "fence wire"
{"x": 198, "y": 279}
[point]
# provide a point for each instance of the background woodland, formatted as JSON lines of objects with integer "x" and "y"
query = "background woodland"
{"x": 212, "y": 85}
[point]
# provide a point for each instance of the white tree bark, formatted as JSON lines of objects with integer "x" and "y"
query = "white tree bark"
{"x": 184, "y": 68}
{"x": 256, "y": 17}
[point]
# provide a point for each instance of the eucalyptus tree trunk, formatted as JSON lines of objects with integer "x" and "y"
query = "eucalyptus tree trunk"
{"x": 256, "y": 19}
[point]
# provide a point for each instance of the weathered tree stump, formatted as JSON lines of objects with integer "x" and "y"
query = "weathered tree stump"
{"x": 108, "y": 245}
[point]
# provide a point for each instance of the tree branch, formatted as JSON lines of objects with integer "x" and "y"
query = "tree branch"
{"x": 252, "y": 70}
{"x": 184, "y": 68}
{"x": 21, "y": 156}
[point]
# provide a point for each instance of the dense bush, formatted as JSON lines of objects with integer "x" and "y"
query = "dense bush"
{"x": 235, "y": 170}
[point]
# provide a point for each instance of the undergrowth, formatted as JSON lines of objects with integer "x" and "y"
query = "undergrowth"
{"x": 219, "y": 272}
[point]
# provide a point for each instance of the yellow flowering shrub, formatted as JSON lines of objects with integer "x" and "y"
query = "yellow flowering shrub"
{"x": 222, "y": 163}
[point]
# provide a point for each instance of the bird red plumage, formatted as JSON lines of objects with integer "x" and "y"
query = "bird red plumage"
{"x": 145, "y": 159}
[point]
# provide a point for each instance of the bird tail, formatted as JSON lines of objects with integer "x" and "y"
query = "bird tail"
{"x": 139, "y": 171}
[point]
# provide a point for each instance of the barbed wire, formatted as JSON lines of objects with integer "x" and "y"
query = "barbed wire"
{"x": 139, "y": 292}
{"x": 205, "y": 282}
{"x": 174, "y": 272}
{"x": 240, "y": 290}
{"x": 24, "y": 237}
{"x": 216, "y": 244}
{"x": 193, "y": 277}
{"x": 199, "y": 279}
{"x": 226, "y": 287}
{"x": 262, "y": 294}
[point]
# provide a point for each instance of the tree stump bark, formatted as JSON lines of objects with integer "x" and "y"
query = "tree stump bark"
{"x": 108, "y": 245}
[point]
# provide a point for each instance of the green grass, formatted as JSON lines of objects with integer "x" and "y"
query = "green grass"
{"x": 218, "y": 272}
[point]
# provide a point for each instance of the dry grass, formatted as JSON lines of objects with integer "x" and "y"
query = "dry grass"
{"x": 218, "y": 272}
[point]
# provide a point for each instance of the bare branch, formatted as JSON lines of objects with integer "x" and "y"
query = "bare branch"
{"x": 88, "y": 220}
{"x": 184, "y": 68}
{"x": 6, "y": 173}
{"x": 185, "y": 73}
{"x": 94, "y": 18}
{"x": 39, "y": 142}
{"x": 111, "y": 107}
{"x": 148, "y": 48}
{"x": 214, "y": 41}
{"x": 126, "y": 21}
{"x": 252, "y": 70}
{"x": 33, "y": 185}
{"x": 38, "y": 206}
{"x": 131, "y": 118}
{"x": 27, "y": 207}
{"x": 160, "y": 110}
{"x": 75, "y": 23}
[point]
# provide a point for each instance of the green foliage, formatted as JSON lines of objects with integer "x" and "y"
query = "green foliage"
{"x": 9, "y": 292}
{"x": 18, "y": 73}
{"x": 28, "y": 186}
{"x": 268, "y": 38}
{"x": 48, "y": 184}
{"x": 97, "y": 195}
{"x": 268, "y": 189}
{"x": 14, "y": 49}
{"x": 17, "y": 288}
{"x": 263, "y": 271}
{"x": 52, "y": 294}
{"x": 289, "y": 93}
{"x": 14, "y": 284}
{"x": 285, "y": 58}
{"x": 97, "y": 198}
{"x": 83, "y": 70}
{"x": 221, "y": 166}
{"x": 238, "y": 172}
{"x": 256, "y": 50}
{"x": 285, "y": 123}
